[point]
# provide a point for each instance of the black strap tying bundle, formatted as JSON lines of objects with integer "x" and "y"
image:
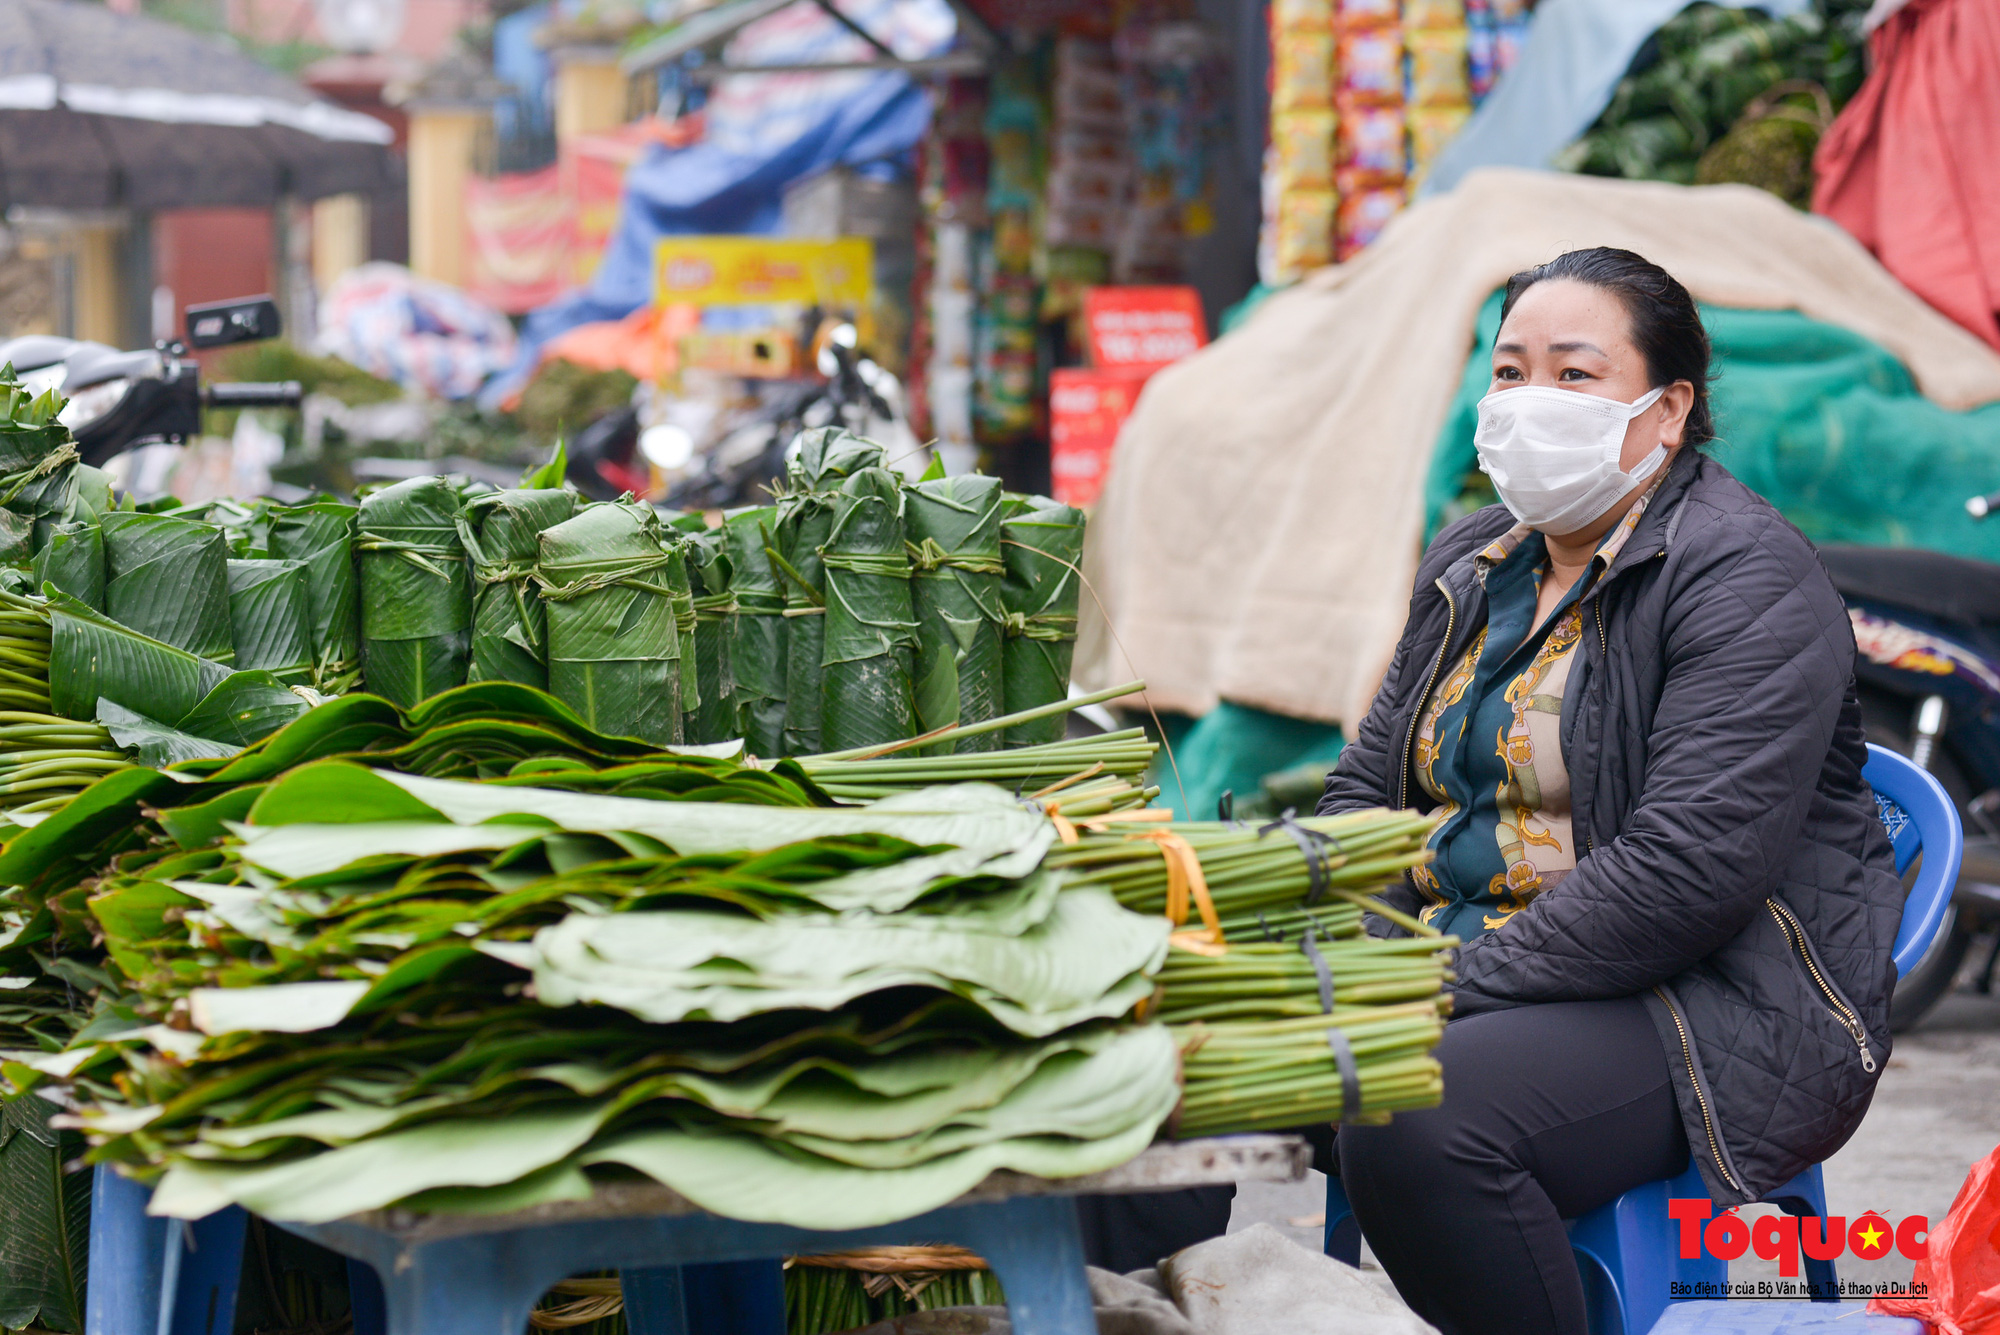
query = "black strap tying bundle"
{"x": 1312, "y": 846}
{"x": 1225, "y": 809}
{"x": 1343, "y": 1051}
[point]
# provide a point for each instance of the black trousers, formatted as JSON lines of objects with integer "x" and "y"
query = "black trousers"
{"x": 1549, "y": 1112}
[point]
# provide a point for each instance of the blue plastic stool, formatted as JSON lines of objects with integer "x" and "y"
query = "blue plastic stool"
{"x": 1632, "y": 1245}
{"x": 135, "y": 1259}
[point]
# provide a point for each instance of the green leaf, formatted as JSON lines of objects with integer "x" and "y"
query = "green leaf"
{"x": 549, "y": 474}
{"x": 44, "y": 1220}
{"x": 1042, "y": 544}
{"x": 338, "y": 792}
{"x": 155, "y": 743}
{"x": 935, "y": 473}
{"x": 270, "y": 615}
{"x": 1085, "y": 961}
{"x": 93, "y": 657}
{"x": 322, "y": 536}
{"x": 168, "y": 579}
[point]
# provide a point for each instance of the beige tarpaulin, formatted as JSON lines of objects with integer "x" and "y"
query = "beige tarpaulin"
{"x": 1261, "y": 525}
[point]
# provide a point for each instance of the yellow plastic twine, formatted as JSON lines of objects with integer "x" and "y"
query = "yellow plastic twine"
{"x": 1187, "y": 886}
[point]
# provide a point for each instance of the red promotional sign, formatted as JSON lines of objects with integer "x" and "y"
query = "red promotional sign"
{"x": 1086, "y": 409}
{"x": 1143, "y": 327}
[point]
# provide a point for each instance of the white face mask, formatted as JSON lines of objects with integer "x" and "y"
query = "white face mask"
{"x": 1553, "y": 453}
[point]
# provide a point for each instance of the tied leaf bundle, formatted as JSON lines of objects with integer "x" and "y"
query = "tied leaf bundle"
{"x": 826, "y": 457}
{"x": 614, "y": 648}
{"x": 270, "y": 611}
{"x": 757, "y": 632}
{"x": 321, "y": 535}
{"x": 714, "y": 716}
{"x": 865, "y": 691}
{"x": 168, "y": 579}
{"x": 73, "y": 561}
{"x": 502, "y": 532}
{"x": 687, "y": 681}
{"x": 416, "y": 590}
{"x": 953, "y": 526}
{"x": 1041, "y": 542}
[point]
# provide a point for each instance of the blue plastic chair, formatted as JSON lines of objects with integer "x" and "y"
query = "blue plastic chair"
{"x": 1631, "y": 1245}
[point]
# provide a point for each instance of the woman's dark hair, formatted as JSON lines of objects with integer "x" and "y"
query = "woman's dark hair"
{"x": 1666, "y": 324}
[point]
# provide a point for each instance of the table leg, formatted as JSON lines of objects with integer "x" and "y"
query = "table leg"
{"x": 126, "y": 1248}
{"x": 1036, "y": 1251}
{"x": 655, "y": 1301}
{"x": 473, "y": 1286}
{"x": 202, "y": 1272}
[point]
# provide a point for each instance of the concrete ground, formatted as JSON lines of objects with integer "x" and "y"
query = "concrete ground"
{"x": 1936, "y": 1113}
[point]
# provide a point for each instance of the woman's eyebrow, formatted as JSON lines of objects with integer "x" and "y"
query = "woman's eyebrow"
{"x": 1578, "y": 346}
{"x": 1509, "y": 347}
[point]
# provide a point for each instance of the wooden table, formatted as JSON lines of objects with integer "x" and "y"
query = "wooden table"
{"x": 480, "y": 1274}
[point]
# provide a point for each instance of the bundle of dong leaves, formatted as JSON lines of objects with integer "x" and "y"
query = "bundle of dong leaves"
{"x": 479, "y": 995}
{"x": 859, "y": 611}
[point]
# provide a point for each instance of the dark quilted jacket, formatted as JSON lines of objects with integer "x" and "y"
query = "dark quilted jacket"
{"x": 1734, "y": 873}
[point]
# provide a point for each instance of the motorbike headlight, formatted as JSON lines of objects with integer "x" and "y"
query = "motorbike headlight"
{"x": 87, "y": 405}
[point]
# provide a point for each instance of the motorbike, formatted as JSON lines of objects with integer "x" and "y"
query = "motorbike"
{"x": 119, "y": 400}
{"x": 1927, "y": 668}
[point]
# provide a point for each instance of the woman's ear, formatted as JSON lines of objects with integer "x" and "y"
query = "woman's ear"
{"x": 1675, "y": 404}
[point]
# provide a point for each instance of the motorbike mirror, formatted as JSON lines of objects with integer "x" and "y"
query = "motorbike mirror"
{"x": 216, "y": 324}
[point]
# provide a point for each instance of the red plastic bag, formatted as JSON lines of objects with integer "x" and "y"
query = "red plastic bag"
{"x": 1959, "y": 1275}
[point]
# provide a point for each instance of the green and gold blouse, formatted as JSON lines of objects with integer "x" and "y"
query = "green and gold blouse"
{"x": 1488, "y": 746}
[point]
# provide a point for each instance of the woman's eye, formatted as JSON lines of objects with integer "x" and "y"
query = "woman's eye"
{"x": 1506, "y": 373}
{"x": 1572, "y": 373}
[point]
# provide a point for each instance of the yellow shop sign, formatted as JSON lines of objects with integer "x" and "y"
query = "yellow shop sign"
{"x": 757, "y": 270}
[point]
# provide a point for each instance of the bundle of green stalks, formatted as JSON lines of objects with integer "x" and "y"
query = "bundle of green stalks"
{"x": 45, "y": 759}
{"x": 1273, "y": 1074}
{"x": 1262, "y": 980}
{"x": 848, "y": 1290}
{"x": 1260, "y": 869}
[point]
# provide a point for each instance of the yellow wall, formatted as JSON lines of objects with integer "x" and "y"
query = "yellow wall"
{"x": 94, "y": 252}
{"x": 442, "y": 140}
{"x": 339, "y": 237}
{"x": 590, "y": 92}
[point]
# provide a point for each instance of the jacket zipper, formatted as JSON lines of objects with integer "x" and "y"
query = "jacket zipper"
{"x": 1700, "y": 1094}
{"x": 1795, "y": 936}
{"x": 1410, "y": 737}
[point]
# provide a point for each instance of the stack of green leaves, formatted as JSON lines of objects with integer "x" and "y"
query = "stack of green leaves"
{"x": 614, "y": 646}
{"x": 416, "y": 590}
{"x": 320, "y": 535}
{"x": 168, "y": 579}
{"x": 825, "y": 457}
{"x": 952, "y": 525}
{"x": 502, "y": 532}
{"x": 908, "y": 1005}
{"x": 757, "y": 631}
{"x": 866, "y": 693}
{"x": 1041, "y": 544}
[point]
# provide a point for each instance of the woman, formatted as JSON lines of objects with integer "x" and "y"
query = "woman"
{"x": 1628, "y": 691}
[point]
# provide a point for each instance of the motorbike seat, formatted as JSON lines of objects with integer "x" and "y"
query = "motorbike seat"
{"x": 1949, "y": 588}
